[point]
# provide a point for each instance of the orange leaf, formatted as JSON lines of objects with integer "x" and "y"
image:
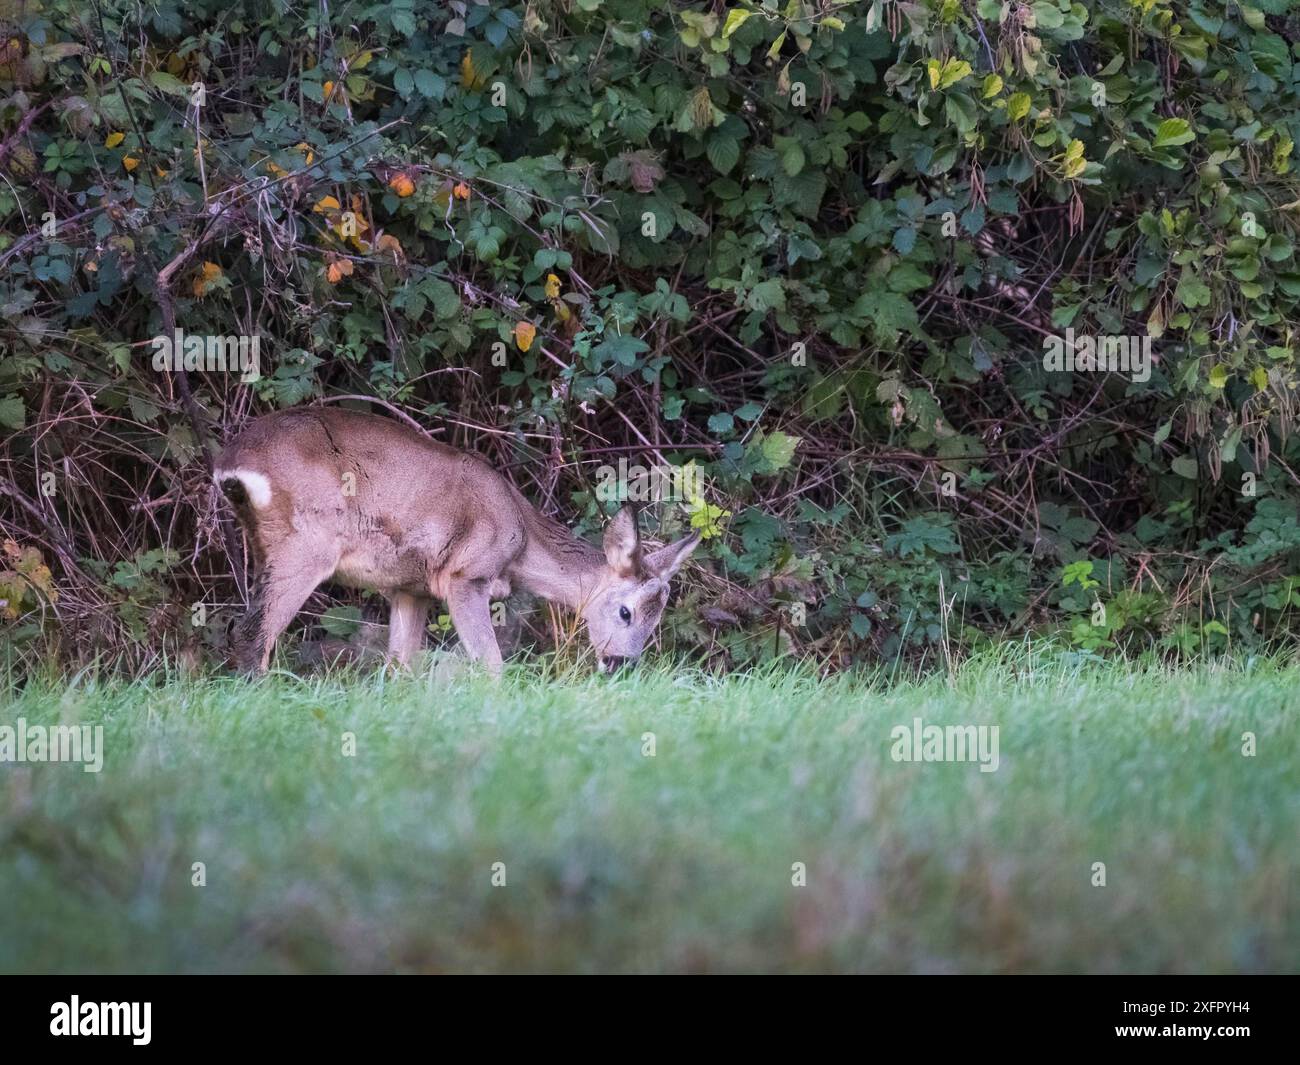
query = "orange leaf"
{"x": 390, "y": 243}
{"x": 524, "y": 334}
{"x": 130, "y": 163}
{"x": 402, "y": 184}
{"x": 337, "y": 269}
{"x": 461, "y": 191}
{"x": 208, "y": 273}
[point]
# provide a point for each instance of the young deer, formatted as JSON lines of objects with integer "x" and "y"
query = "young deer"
{"x": 323, "y": 492}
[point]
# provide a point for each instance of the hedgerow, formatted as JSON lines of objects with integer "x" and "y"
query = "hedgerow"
{"x": 847, "y": 258}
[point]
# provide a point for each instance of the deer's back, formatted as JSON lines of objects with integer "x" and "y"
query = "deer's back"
{"x": 400, "y": 511}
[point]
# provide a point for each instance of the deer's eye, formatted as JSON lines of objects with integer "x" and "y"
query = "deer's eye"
{"x": 625, "y": 615}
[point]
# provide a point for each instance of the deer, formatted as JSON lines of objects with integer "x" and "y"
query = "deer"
{"x": 327, "y": 493}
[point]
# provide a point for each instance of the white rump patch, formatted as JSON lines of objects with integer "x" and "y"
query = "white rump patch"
{"x": 255, "y": 484}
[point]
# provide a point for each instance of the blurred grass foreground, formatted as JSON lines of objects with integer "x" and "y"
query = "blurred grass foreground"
{"x": 1137, "y": 820}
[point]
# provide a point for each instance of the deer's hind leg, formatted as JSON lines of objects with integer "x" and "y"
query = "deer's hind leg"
{"x": 288, "y": 575}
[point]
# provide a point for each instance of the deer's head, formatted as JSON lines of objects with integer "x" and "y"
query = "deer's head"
{"x": 631, "y": 591}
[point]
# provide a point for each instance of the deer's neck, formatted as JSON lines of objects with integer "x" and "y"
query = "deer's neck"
{"x": 556, "y": 564}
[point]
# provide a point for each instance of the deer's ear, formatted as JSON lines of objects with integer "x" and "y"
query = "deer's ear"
{"x": 669, "y": 559}
{"x": 623, "y": 543}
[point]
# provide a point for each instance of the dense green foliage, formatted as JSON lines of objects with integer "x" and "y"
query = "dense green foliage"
{"x": 815, "y": 247}
{"x": 619, "y": 855}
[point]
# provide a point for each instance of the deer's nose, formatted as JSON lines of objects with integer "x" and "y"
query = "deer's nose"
{"x": 613, "y": 662}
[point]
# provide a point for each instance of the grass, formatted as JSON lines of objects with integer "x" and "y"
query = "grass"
{"x": 618, "y": 861}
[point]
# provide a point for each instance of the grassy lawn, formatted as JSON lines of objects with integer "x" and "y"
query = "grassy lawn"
{"x": 680, "y": 861}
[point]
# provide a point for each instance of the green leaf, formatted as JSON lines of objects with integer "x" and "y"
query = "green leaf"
{"x": 792, "y": 157}
{"x": 723, "y": 152}
{"x": 767, "y": 295}
{"x": 341, "y": 621}
{"x": 904, "y": 240}
{"x": 12, "y": 413}
{"x": 1047, "y": 15}
{"x": 1191, "y": 290}
{"x": 776, "y": 451}
{"x": 621, "y": 349}
{"x": 168, "y": 83}
{"x": 908, "y": 277}
{"x": 961, "y": 111}
{"x": 431, "y": 85}
{"x": 1173, "y": 131}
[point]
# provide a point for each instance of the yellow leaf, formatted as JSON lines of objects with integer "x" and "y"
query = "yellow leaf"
{"x": 562, "y": 311}
{"x": 735, "y": 19}
{"x": 114, "y": 139}
{"x": 524, "y": 334}
{"x": 305, "y": 148}
{"x": 401, "y": 184}
{"x": 130, "y": 162}
{"x": 552, "y": 286}
{"x": 470, "y": 78}
{"x": 328, "y": 90}
{"x": 327, "y": 203}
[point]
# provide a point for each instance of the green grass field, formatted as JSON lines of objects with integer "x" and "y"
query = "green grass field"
{"x": 615, "y": 860}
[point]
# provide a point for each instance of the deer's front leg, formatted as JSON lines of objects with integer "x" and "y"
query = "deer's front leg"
{"x": 406, "y": 623}
{"x": 471, "y": 613}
